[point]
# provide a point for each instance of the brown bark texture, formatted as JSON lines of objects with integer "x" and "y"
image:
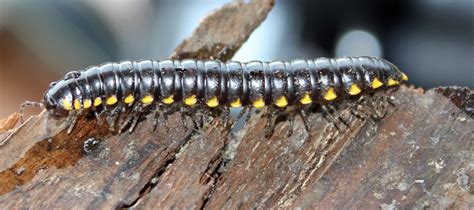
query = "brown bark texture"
{"x": 421, "y": 154}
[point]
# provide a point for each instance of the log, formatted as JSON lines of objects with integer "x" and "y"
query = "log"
{"x": 419, "y": 155}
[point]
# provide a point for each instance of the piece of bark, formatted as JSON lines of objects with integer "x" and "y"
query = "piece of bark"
{"x": 9, "y": 122}
{"x": 41, "y": 166}
{"x": 6, "y": 127}
{"x": 222, "y": 32}
{"x": 420, "y": 155}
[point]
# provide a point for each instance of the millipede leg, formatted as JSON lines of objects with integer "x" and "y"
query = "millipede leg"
{"x": 248, "y": 115}
{"x": 24, "y": 105}
{"x": 339, "y": 116}
{"x": 122, "y": 118}
{"x": 108, "y": 119}
{"x": 184, "y": 122}
{"x": 330, "y": 116}
{"x": 387, "y": 100}
{"x": 354, "y": 109}
{"x": 128, "y": 116}
{"x": 202, "y": 119}
{"x": 113, "y": 116}
{"x": 97, "y": 116}
{"x": 364, "y": 104}
{"x": 359, "y": 115}
{"x": 136, "y": 116}
{"x": 125, "y": 119}
{"x": 71, "y": 121}
{"x": 291, "y": 119}
{"x": 125, "y": 122}
{"x": 198, "y": 118}
{"x": 304, "y": 117}
{"x": 375, "y": 111}
{"x": 369, "y": 112}
{"x": 202, "y": 116}
{"x": 156, "y": 118}
{"x": 226, "y": 115}
{"x": 242, "y": 113}
{"x": 382, "y": 104}
{"x": 194, "y": 113}
{"x": 165, "y": 118}
{"x": 270, "y": 125}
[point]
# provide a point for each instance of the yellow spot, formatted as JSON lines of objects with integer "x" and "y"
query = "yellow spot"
{"x": 259, "y": 103}
{"x": 236, "y": 103}
{"x": 111, "y": 100}
{"x": 376, "y": 83}
{"x": 168, "y": 100}
{"x": 77, "y": 104}
{"x": 191, "y": 100}
{"x": 97, "y": 101}
{"x": 281, "y": 102}
{"x": 147, "y": 99}
{"x": 213, "y": 102}
{"x": 354, "y": 90}
{"x": 404, "y": 77}
{"x": 67, "y": 104}
{"x": 392, "y": 82}
{"x": 129, "y": 99}
{"x": 330, "y": 95}
{"x": 306, "y": 99}
{"x": 87, "y": 103}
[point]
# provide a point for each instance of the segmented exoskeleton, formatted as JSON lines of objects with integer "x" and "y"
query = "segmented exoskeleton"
{"x": 131, "y": 86}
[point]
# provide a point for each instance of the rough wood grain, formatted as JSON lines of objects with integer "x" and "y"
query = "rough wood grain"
{"x": 421, "y": 154}
{"x": 9, "y": 122}
{"x": 222, "y": 32}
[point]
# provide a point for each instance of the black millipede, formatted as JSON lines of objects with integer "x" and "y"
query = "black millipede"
{"x": 132, "y": 86}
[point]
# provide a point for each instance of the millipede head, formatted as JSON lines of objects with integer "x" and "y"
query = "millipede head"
{"x": 58, "y": 99}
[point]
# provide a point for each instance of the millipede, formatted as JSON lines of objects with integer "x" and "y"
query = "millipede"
{"x": 135, "y": 86}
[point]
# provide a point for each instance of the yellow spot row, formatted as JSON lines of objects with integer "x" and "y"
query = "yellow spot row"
{"x": 214, "y": 102}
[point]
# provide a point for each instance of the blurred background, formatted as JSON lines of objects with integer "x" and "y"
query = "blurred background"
{"x": 431, "y": 40}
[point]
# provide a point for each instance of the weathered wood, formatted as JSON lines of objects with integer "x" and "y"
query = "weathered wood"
{"x": 9, "y": 122}
{"x": 421, "y": 154}
{"x": 222, "y": 32}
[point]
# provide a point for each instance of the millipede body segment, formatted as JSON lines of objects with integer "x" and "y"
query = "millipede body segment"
{"x": 133, "y": 85}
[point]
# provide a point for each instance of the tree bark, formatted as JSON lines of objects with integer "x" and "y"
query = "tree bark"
{"x": 420, "y": 154}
